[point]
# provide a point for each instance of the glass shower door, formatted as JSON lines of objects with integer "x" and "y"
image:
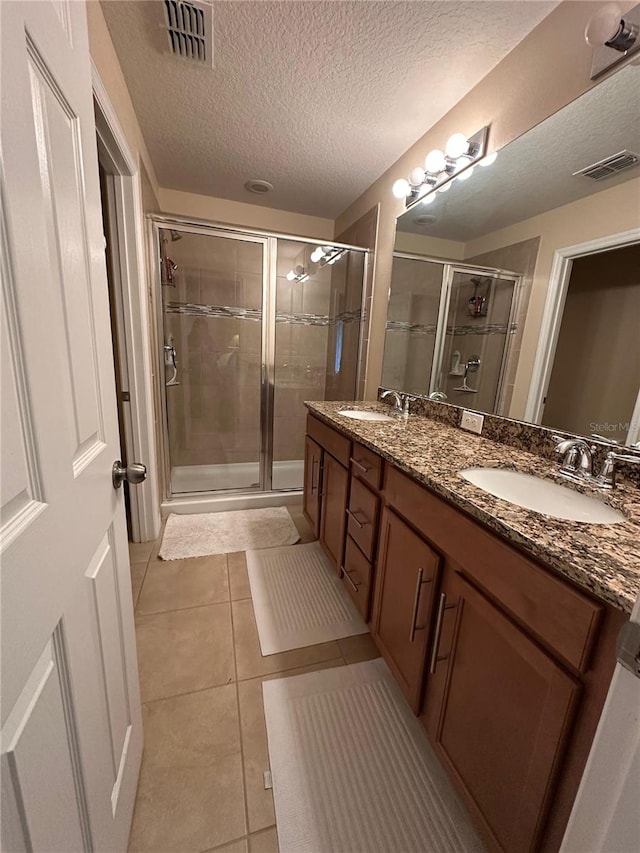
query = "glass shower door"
{"x": 212, "y": 307}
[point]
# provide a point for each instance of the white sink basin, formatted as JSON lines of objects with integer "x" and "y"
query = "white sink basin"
{"x": 362, "y": 415}
{"x": 542, "y": 495}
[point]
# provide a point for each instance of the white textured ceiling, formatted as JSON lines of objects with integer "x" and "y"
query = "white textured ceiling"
{"x": 319, "y": 98}
{"x": 535, "y": 172}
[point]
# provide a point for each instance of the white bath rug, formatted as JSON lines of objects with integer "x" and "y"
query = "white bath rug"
{"x": 225, "y": 532}
{"x": 298, "y": 599}
{"x": 352, "y": 768}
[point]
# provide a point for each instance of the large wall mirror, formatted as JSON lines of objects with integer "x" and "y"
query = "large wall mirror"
{"x": 517, "y": 292}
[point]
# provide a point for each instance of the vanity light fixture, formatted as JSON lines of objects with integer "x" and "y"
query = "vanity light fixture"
{"x": 442, "y": 167}
{"x": 613, "y": 35}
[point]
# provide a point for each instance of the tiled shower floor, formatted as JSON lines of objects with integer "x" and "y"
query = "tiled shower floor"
{"x": 201, "y": 786}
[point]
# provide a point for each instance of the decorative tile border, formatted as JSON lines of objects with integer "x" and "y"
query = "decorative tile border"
{"x": 255, "y": 314}
{"x": 455, "y": 331}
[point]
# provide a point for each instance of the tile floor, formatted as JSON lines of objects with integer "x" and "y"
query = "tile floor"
{"x": 201, "y": 785}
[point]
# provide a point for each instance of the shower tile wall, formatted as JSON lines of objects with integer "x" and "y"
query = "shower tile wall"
{"x": 214, "y": 413}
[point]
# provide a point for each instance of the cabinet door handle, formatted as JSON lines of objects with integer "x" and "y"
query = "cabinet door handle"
{"x": 314, "y": 462}
{"x": 347, "y": 576}
{"x": 442, "y": 606}
{"x": 416, "y": 604}
{"x": 356, "y": 519}
{"x": 359, "y": 465}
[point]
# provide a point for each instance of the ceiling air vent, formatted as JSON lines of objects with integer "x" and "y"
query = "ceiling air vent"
{"x": 190, "y": 30}
{"x": 609, "y": 166}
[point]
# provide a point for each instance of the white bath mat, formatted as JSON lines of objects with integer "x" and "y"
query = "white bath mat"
{"x": 353, "y": 771}
{"x": 225, "y": 532}
{"x": 299, "y": 599}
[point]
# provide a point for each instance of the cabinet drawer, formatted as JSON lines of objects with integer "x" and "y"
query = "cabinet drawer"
{"x": 339, "y": 446}
{"x": 366, "y": 465}
{"x": 557, "y": 613}
{"x": 362, "y": 514}
{"x": 357, "y": 577}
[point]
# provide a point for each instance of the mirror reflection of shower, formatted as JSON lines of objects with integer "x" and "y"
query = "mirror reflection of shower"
{"x": 450, "y": 332}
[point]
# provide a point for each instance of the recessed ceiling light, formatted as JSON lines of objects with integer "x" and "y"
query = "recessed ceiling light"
{"x": 260, "y": 187}
{"x": 426, "y": 219}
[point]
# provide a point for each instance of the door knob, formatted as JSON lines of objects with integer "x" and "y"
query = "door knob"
{"x": 133, "y": 474}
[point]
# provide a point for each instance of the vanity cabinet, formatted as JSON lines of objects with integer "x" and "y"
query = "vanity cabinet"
{"x": 326, "y": 491}
{"x": 335, "y": 489}
{"x": 312, "y": 485}
{"x": 499, "y": 711}
{"x": 407, "y": 575}
{"x": 507, "y": 663}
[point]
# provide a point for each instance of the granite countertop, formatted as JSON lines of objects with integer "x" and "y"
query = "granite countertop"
{"x": 602, "y": 558}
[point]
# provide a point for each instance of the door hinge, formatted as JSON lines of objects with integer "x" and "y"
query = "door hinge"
{"x": 125, "y": 396}
{"x": 628, "y": 647}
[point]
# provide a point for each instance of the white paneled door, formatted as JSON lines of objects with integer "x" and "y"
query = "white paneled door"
{"x": 71, "y": 725}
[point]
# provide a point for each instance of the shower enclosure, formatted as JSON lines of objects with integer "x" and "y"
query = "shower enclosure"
{"x": 450, "y": 331}
{"x": 250, "y": 325}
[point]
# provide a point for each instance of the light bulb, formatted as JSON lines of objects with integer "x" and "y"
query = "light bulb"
{"x": 489, "y": 159}
{"x": 417, "y": 176}
{"x": 401, "y": 188}
{"x": 603, "y": 25}
{"x": 428, "y": 199}
{"x": 444, "y": 187}
{"x": 464, "y": 176}
{"x": 291, "y": 275}
{"x": 457, "y": 145}
{"x": 462, "y": 163}
{"x": 434, "y": 161}
{"x": 317, "y": 254}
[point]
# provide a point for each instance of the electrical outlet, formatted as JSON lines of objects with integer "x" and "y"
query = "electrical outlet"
{"x": 472, "y": 421}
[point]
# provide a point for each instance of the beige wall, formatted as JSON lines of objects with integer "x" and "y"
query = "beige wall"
{"x": 546, "y": 71}
{"x": 608, "y": 212}
{"x": 244, "y": 215}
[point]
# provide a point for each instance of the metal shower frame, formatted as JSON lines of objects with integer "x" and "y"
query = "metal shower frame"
{"x": 269, "y": 241}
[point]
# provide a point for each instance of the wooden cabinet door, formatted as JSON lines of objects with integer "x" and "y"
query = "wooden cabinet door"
{"x": 406, "y": 576}
{"x": 312, "y": 483}
{"x": 498, "y": 710}
{"x": 333, "y": 514}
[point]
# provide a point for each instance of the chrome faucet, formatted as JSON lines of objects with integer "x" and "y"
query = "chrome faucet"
{"x": 577, "y": 461}
{"x": 400, "y": 401}
{"x": 606, "y": 479}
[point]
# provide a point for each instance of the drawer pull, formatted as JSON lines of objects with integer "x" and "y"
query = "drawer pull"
{"x": 442, "y": 606}
{"x": 347, "y": 576}
{"x": 416, "y": 604}
{"x": 359, "y": 465}
{"x": 356, "y": 519}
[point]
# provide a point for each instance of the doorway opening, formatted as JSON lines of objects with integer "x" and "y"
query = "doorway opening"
{"x": 594, "y": 386}
{"x": 598, "y": 356}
